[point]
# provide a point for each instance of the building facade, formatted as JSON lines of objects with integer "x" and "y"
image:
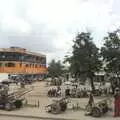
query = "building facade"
{"x": 16, "y": 60}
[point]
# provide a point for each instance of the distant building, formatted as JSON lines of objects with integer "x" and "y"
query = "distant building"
{"x": 16, "y": 60}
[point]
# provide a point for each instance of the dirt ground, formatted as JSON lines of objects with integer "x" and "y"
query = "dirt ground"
{"x": 16, "y": 118}
{"x": 37, "y": 100}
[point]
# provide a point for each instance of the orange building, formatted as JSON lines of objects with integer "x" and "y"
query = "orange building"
{"x": 16, "y": 60}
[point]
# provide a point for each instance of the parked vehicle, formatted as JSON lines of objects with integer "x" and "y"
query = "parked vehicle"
{"x": 98, "y": 109}
{"x": 9, "y": 101}
{"x": 58, "y": 106}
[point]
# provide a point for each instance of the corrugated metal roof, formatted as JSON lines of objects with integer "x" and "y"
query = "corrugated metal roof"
{"x": 21, "y": 50}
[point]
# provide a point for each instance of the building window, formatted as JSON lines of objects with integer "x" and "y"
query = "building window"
{"x": 35, "y": 65}
{"x": 27, "y": 65}
{"x": 10, "y": 64}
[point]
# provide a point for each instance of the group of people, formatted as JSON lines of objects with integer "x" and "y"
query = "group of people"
{"x": 74, "y": 92}
{"x": 54, "y": 92}
{"x": 57, "y": 92}
{"x": 116, "y": 102}
{"x": 56, "y": 81}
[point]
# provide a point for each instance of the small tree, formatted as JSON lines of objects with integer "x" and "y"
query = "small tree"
{"x": 55, "y": 69}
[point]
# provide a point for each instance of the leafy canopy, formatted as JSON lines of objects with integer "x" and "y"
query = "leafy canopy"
{"x": 55, "y": 69}
{"x": 111, "y": 52}
{"x": 85, "y": 56}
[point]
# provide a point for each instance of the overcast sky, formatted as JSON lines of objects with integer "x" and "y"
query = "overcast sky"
{"x": 49, "y": 26}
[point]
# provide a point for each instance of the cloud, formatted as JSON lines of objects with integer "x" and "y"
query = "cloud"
{"x": 49, "y": 26}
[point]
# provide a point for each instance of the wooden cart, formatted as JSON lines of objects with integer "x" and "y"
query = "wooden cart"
{"x": 98, "y": 109}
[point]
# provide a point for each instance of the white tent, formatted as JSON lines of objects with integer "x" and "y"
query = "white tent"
{"x": 68, "y": 83}
{"x": 4, "y": 77}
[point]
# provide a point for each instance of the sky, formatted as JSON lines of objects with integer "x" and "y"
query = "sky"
{"x": 49, "y": 26}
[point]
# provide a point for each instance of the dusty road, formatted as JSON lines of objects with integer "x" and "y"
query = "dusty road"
{"x": 39, "y": 94}
{"x": 18, "y": 118}
{"x": 15, "y": 118}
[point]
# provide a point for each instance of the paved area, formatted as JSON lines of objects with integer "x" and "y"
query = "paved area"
{"x": 17, "y": 118}
{"x": 38, "y": 95}
{"x": 68, "y": 115}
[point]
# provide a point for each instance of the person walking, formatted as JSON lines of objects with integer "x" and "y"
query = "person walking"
{"x": 90, "y": 104}
{"x": 58, "y": 91}
{"x": 67, "y": 92}
{"x": 91, "y": 99}
{"x": 117, "y": 102}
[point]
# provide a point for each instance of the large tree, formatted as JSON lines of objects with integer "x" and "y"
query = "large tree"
{"x": 85, "y": 57}
{"x": 111, "y": 53}
{"x": 55, "y": 68}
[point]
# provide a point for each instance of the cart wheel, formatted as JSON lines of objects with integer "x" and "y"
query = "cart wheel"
{"x": 18, "y": 103}
{"x": 105, "y": 110}
{"x": 63, "y": 106}
{"x": 8, "y": 106}
{"x": 88, "y": 110}
{"x": 48, "y": 108}
{"x": 56, "y": 109}
{"x": 96, "y": 112}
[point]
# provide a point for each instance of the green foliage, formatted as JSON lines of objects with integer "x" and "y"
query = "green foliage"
{"x": 111, "y": 53}
{"x": 85, "y": 59}
{"x": 55, "y": 69}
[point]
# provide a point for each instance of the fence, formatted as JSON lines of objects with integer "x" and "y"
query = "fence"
{"x": 35, "y": 104}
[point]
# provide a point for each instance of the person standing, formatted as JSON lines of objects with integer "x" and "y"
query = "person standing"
{"x": 90, "y": 104}
{"x": 91, "y": 99}
{"x": 58, "y": 91}
{"x": 67, "y": 92}
{"x": 117, "y": 102}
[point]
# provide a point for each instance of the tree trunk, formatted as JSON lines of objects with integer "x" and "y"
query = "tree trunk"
{"x": 112, "y": 86}
{"x": 92, "y": 84}
{"x": 113, "y": 89}
{"x": 75, "y": 74}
